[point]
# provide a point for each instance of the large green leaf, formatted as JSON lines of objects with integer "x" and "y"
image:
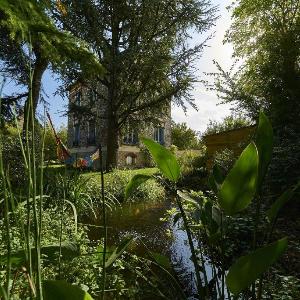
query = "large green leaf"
{"x": 164, "y": 159}
{"x": 118, "y": 251}
{"x": 239, "y": 186}
{"x": 216, "y": 179}
{"x": 188, "y": 199}
{"x": 61, "y": 290}
{"x": 280, "y": 202}
{"x": 162, "y": 260}
{"x": 264, "y": 144}
{"x": 250, "y": 267}
{"x": 134, "y": 183}
{"x": 218, "y": 174}
{"x": 3, "y": 293}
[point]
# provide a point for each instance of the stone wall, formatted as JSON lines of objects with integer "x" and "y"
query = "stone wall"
{"x": 98, "y": 114}
{"x": 233, "y": 140}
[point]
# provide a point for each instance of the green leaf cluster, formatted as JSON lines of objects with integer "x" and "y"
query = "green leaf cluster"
{"x": 234, "y": 194}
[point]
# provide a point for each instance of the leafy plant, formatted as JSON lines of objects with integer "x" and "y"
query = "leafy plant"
{"x": 54, "y": 290}
{"x": 233, "y": 193}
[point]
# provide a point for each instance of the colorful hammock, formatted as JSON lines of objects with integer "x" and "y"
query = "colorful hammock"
{"x": 65, "y": 156}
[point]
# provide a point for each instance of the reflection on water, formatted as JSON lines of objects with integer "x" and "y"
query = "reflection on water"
{"x": 143, "y": 221}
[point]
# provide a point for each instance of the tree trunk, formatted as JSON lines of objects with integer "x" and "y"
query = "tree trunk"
{"x": 34, "y": 87}
{"x": 112, "y": 124}
{"x": 112, "y": 142}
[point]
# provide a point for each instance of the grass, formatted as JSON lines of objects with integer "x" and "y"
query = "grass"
{"x": 96, "y": 174}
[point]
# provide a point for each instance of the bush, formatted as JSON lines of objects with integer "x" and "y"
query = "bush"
{"x": 81, "y": 265}
{"x": 12, "y": 156}
{"x": 13, "y": 161}
{"x": 115, "y": 183}
{"x": 147, "y": 158}
{"x": 191, "y": 162}
{"x": 225, "y": 159}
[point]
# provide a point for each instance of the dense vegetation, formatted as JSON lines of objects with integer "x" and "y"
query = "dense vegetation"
{"x": 241, "y": 237}
{"x": 184, "y": 137}
{"x": 265, "y": 38}
{"x": 228, "y": 123}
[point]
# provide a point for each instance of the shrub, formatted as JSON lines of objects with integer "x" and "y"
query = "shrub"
{"x": 115, "y": 184}
{"x": 12, "y": 156}
{"x": 147, "y": 158}
{"x": 191, "y": 162}
{"x": 225, "y": 159}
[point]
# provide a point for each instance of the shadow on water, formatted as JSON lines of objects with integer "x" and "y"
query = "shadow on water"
{"x": 144, "y": 222}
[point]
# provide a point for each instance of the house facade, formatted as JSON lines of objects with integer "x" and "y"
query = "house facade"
{"x": 87, "y": 132}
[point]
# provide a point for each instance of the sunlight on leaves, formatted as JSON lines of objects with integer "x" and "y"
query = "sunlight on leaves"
{"x": 239, "y": 186}
{"x": 250, "y": 267}
{"x": 164, "y": 159}
{"x": 57, "y": 289}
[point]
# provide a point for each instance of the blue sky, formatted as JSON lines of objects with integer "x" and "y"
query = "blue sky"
{"x": 206, "y": 101}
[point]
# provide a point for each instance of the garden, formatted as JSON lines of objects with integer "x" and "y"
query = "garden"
{"x": 189, "y": 225}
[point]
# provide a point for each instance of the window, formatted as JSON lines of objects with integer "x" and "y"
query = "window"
{"x": 159, "y": 135}
{"x": 130, "y": 159}
{"x": 76, "y": 134}
{"x": 92, "y": 97}
{"x": 78, "y": 98}
{"x": 92, "y": 133}
{"x": 131, "y": 138}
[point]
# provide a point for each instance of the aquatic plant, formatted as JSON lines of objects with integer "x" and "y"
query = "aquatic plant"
{"x": 233, "y": 194}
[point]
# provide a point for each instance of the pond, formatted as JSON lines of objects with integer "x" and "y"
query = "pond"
{"x": 144, "y": 222}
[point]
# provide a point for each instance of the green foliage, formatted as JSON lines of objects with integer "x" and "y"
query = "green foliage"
{"x": 28, "y": 21}
{"x": 164, "y": 159}
{"x": 274, "y": 210}
{"x": 134, "y": 183}
{"x": 265, "y": 37}
{"x": 50, "y": 152}
{"x": 264, "y": 142}
{"x": 248, "y": 268}
{"x": 149, "y": 47}
{"x": 116, "y": 183}
{"x": 225, "y": 159}
{"x": 225, "y": 225}
{"x": 282, "y": 287}
{"x": 184, "y": 137}
{"x": 13, "y": 153}
{"x": 118, "y": 251}
{"x": 67, "y": 251}
{"x": 191, "y": 162}
{"x": 56, "y": 289}
{"x": 71, "y": 186}
{"x": 239, "y": 186}
{"x": 228, "y": 123}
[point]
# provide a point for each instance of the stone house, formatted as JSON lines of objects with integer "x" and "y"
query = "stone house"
{"x": 85, "y": 134}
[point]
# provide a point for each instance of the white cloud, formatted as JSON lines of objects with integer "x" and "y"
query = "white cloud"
{"x": 207, "y": 101}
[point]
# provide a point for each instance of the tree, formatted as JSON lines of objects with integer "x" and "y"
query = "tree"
{"x": 184, "y": 137}
{"x": 144, "y": 47}
{"x": 265, "y": 35}
{"x": 30, "y": 42}
{"x": 50, "y": 152}
{"x": 228, "y": 123}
